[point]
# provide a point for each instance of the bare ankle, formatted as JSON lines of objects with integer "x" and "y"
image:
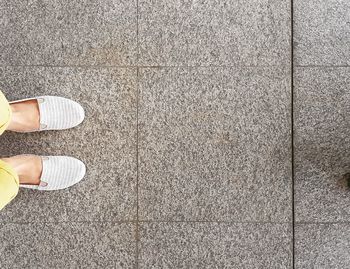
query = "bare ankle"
{"x": 25, "y": 116}
{"x": 27, "y": 167}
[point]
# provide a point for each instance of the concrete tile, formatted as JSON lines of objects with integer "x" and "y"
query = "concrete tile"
{"x": 67, "y": 245}
{"x": 215, "y": 245}
{"x": 99, "y": 32}
{"x": 214, "y": 144}
{"x": 30, "y": 32}
{"x": 91, "y": 32}
{"x": 322, "y": 246}
{"x": 214, "y": 32}
{"x": 106, "y": 142}
{"x": 322, "y": 144}
{"x": 322, "y": 32}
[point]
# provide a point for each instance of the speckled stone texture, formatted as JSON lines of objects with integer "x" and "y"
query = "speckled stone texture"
{"x": 214, "y": 144}
{"x": 106, "y": 142}
{"x": 91, "y": 32}
{"x": 214, "y": 32}
{"x": 67, "y": 245}
{"x": 322, "y": 32}
{"x": 322, "y": 144}
{"x": 215, "y": 245}
{"x": 323, "y": 246}
{"x": 187, "y": 137}
{"x": 321, "y": 133}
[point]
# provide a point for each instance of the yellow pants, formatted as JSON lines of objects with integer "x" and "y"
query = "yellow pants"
{"x": 9, "y": 182}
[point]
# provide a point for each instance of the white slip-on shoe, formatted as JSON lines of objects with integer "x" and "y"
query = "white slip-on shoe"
{"x": 59, "y": 172}
{"x": 57, "y": 113}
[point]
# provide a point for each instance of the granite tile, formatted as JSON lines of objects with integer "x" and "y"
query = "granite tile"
{"x": 215, "y": 245}
{"x": 30, "y": 32}
{"x": 99, "y": 32}
{"x": 322, "y": 246}
{"x": 106, "y": 142}
{"x": 67, "y": 245}
{"x": 93, "y": 32}
{"x": 322, "y": 32}
{"x": 214, "y": 32}
{"x": 322, "y": 144}
{"x": 214, "y": 144}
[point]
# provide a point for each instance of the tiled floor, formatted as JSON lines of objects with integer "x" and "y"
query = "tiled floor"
{"x": 188, "y": 136}
{"x": 321, "y": 133}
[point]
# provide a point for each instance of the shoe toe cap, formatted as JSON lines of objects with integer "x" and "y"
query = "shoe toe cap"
{"x": 76, "y": 171}
{"x": 75, "y": 114}
{"x": 59, "y": 113}
{"x": 61, "y": 172}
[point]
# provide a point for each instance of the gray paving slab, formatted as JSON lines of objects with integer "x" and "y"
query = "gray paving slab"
{"x": 30, "y": 32}
{"x": 106, "y": 142}
{"x": 67, "y": 245}
{"x": 214, "y": 144}
{"x": 68, "y": 32}
{"x": 322, "y": 32}
{"x": 215, "y": 245}
{"x": 322, "y": 144}
{"x": 322, "y": 246}
{"x": 214, "y": 32}
{"x": 99, "y": 32}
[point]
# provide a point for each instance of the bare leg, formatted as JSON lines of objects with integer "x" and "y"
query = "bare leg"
{"x": 27, "y": 167}
{"x": 25, "y": 116}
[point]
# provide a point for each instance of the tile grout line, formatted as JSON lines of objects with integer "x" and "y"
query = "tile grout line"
{"x": 174, "y": 66}
{"x": 166, "y": 221}
{"x": 322, "y": 222}
{"x": 215, "y": 221}
{"x": 292, "y": 132}
{"x": 137, "y": 168}
{"x": 321, "y": 66}
{"x": 137, "y": 138}
{"x": 156, "y": 66}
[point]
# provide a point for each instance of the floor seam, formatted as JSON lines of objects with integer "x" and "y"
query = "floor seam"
{"x": 321, "y": 222}
{"x": 137, "y": 137}
{"x": 292, "y": 132}
{"x": 157, "y": 221}
{"x": 322, "y": 66}
{"x": 146, "y": 66}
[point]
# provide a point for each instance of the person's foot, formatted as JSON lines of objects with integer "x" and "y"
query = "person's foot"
{"x": 28, "y": 168}
{"x": 25, "y": 116}
{"x": 45, "y": 113}
{"x": 47, "y": 173}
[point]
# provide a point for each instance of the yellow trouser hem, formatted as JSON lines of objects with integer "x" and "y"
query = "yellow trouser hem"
{"x": 5, "y": 113}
